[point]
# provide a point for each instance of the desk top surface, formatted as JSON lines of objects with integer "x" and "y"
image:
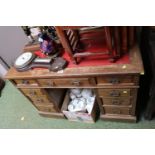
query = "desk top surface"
{"x": 134, "y": 67}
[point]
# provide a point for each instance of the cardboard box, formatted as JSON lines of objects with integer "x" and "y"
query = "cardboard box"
{"x": 79, "y": 116}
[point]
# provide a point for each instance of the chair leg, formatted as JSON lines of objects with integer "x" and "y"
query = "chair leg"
{"x": 124, "y": 39}
{"x": 131, "y": 30}
{"x": 117, "y": 53}
{"x": 108, "y": 38}
{"x": 65, "y": 43}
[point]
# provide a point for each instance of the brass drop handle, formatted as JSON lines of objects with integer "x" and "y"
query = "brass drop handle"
{"x": 33, "y": 93}
{"x": 115, "y": 93}
{"x": 40, "y": 100}
{"x": 25, "y": 82}
{"x": 76, "y": 83}
{"x": 51, "y": 83}
{"x": 116, "y": 102}
{"x": 114, "y": 81}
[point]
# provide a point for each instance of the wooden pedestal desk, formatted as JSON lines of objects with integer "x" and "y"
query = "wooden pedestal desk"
{"x": 115, "y": 85}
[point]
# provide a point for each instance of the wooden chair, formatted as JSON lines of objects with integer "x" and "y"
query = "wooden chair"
{"x": 127, "y": 38}
{"x": 72, "y": 40}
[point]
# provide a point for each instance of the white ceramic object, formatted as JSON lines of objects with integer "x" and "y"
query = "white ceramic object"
{"x": 90, "y": 103}
{"x": 86, "y": 93}
{"x": 90, "y": 100}
{"x": 71, "y": 107}
{"x": 72, "y": 96}
{"x": 74, "y": 102}
{"x": 75, "y": 91}
{"x": 89, "y": 108}
{"x": 82, "y": 104}
{"x": 79, "y": 95}
{"x": 81, "y": 100}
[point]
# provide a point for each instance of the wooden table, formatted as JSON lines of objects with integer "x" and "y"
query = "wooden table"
{"x": 115, "y": 85}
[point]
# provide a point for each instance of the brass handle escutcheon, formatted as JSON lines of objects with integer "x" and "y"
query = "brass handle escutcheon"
{"x": 25, "y": 82}
{"x": 116, "y": 102}
{"x": 76, "y": 83}
{"x": 32, "y": 93}
{"x": 115, "y": 93}
{"x": 114, "y": 81}
{"x": 51, "y": 83}
{"x": 40, "y": 100}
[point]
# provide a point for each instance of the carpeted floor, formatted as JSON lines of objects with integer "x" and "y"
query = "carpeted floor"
{"x": 17, "y": 112}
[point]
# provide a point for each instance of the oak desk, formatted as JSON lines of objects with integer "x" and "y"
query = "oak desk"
{"x": 115, "y": 85}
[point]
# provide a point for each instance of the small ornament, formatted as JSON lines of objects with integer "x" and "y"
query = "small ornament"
{"x": 47, "y": 45}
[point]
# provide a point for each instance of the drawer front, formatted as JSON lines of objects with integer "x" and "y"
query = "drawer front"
{"x": 117, "y": 80}
{"x": 46, "y": 82}
{"x": 40, "y": 99}
{"x": 114, "y": 92}
{"x": 47, "y": 104}
{"x": 26, "y": 82}
{"x": 71, "y": 82}
{"x": 117, "y": 101}
{"x": 33, "y": 92}
{"x": 46, "y": 108}
{"x": 117, "y": 110}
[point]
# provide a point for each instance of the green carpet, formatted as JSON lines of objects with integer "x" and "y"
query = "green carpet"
{"x": 16, "y": 112}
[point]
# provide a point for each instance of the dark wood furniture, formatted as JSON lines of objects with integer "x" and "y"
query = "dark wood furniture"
{"x": 71, "y": 38}
{"x": 76, "y": 40}
{"x": 115, "y": 85}
{"x": 148, "y": 53}
{"x": 2, "y": 84}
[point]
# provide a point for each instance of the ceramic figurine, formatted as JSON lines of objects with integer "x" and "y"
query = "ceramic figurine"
{"x": 27, "y": 31}
{"x": 47, "y": 46}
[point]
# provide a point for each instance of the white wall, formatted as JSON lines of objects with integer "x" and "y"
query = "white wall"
{"x": 12, "y": 41}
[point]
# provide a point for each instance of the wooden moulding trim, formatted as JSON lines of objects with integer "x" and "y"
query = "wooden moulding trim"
{"x": 50, "y": 114}
{"x": 90, "y": 54}
{"x": 104, "y": 87}
{"x": 126, "y": 118}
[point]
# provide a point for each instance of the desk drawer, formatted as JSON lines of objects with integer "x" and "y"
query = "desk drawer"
{"x": 71, "y": 82}
{"x": 40, "y": 99}
{"x": 117, "y": 101}
{"x": 115, "y": 92}
{"x": 33, "y": 92}
{"x": 117, "y": 110}
{"x": 46, "y": 108}
{"x": 117, "y": 80}
{"x": 26, "y": 82}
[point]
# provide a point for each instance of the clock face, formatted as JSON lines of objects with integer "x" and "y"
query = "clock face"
{"x": 24, "y": 59}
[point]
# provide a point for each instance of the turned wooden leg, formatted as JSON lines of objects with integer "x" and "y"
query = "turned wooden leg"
{"x": 108, "y": 39}
{"x": 75, "y": 61}
{"x": 117, "y": 52}
{"x": 124, "y": 39}
{"x": 65, "y": 43}
{"x": 131, "y": 30}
